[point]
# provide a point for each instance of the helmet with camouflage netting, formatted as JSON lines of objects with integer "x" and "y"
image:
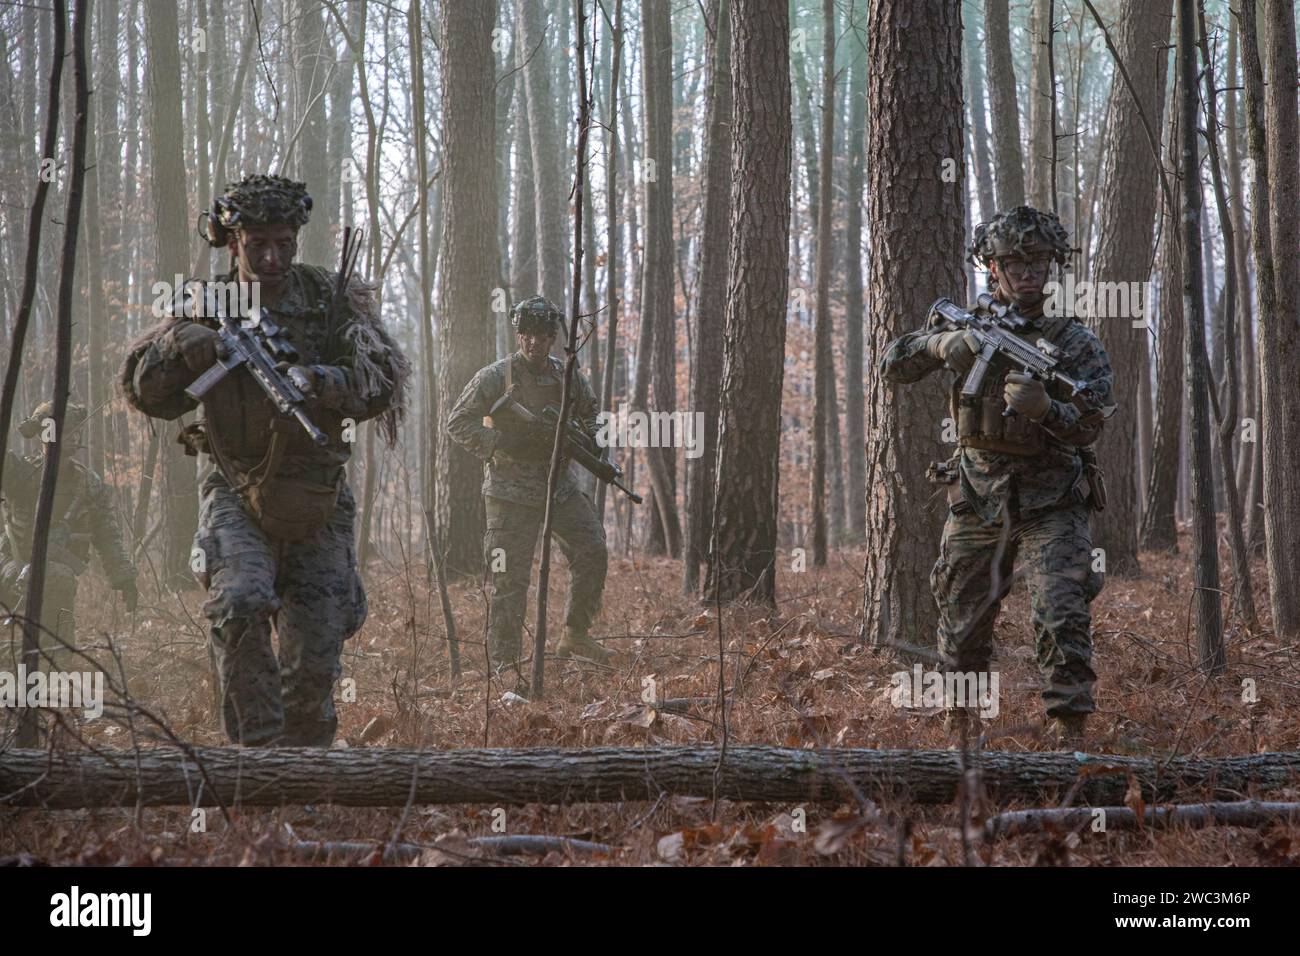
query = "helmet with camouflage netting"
{"x": 258, "y": 200}
{"x": 74, "y": 416}
{"x": 536, "y": 314}
{"x": 1022, "y": 231}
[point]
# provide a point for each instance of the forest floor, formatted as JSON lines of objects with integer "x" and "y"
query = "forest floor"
{"x": 796, "y": 678}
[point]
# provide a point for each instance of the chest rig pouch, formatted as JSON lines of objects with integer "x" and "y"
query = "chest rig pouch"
{"x": 533, "y": 391}
{"x": 287, "y": 509}
{"x": 980, "y": 423}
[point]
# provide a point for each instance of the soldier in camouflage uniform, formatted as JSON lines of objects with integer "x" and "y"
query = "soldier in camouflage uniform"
{"x": 84, "y": 516}
{"x": 280, "y": 551}
{"x": 1027, "y": 468}
{"x": 514, "y": 487}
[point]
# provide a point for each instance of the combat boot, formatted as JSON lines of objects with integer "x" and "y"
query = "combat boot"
{"x": 1070, "y": 731}
{"x": 580, "y": 644}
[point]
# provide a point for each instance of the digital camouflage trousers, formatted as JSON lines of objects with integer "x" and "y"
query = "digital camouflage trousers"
{"x": 508, "y": 547}
{"x": 308, "y": 591}
{"x": 1053, "y": 551}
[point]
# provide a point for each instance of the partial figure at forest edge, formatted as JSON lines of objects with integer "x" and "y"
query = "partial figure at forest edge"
{"x": 516, "y": 467}
{"x": 1018, "y": 486}
{"x": 275, "y": 533}
{"x": 84, "y": 515}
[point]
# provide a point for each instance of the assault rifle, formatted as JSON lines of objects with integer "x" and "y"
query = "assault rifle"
{"x": 577, "y": 445}
{"x": 259, "y": 345}
{"x": 998, "y": 344}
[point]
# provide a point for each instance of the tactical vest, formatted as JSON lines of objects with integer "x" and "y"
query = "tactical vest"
{"x": 980, "y": 423}
{"x": 535, "y": 391}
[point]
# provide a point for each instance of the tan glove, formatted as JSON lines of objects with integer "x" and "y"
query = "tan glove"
{"x": 1026, "y": 396}
{"x": 955, "y": 349}
{"x": 197, "y": 345}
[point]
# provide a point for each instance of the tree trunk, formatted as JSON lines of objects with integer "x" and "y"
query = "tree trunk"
{"x": 744, "y": 536}
{"x": 979, "y": 124}
{"x": 469, "y": 270}
{"x": 1041, "y": 106}
{"x": 380, "y": 777}
{"x": 1205, "y": 551}
{"x": 657, "y": 340}
{"x": 823, "y": 372}
{"x": 1008, "y": 171}
{"x": 1279, "y": 344}
{"x": 1225, "y": 407}
{"x": 1057, "y": 820}
{"x": 311, "y": 57}
{"x": 523, "y": 262}
{"x": 31, "y": 261}
{"x": 1144, "y": 414}
{"x": 28, "y": 719}
{"x": 1246, "y": 453}
{"x": 1159, "y": 528}
{"x": 546, "y": 144}
{"x": 802, "y": 100}
{"x": 1129, "y": 182}
{"x": 854, "y": 312}
{"x": 917, "y": 245}
{"x": 613, "y": 291}
{"x": 706, "y": 370}
{"x": 171, "y": 237}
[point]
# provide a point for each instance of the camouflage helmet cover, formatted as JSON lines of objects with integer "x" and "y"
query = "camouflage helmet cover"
{"x": 536, "y": 314}
{"x": 73, "y": 418}
{"x": 1022, "y": 231}
{"x": 258, "y": 200}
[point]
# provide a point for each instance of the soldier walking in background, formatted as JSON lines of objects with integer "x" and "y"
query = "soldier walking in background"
{"x": 84, "y": 516}
{"x": 514, "y": 486}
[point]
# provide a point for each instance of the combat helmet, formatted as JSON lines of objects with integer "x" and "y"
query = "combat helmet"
{"x": 74, "y": 416}
{"x": 536, "y": 314}
{"x": 1022, "y": 231}
{"x": 257, "y": 200}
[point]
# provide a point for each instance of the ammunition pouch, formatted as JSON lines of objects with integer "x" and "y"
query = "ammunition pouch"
{"x": 980, "y": 425}
{"x": 287, "y": 509}
{"x": 948, "y": 474}
{"x": 291, "y": 509}
{"x": 1094, "y": 479}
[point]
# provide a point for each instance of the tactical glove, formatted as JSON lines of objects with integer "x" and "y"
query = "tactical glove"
{"x": 955, "y": 349}
{"x": 1026, "y": 396}
{"x": 197, "y": 345}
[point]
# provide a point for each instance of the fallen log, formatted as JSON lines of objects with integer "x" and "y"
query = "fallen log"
{"x": 523, "y": 844}
{"x": 1241, "y": 813}
{"x": 379, "y": 777}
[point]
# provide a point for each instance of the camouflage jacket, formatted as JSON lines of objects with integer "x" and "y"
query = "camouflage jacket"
{"x": 1029, "y": 483}
{"x": 84, "y": 516}
{"x": 360, "y": 373}
{"x": 505, "y": 477}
